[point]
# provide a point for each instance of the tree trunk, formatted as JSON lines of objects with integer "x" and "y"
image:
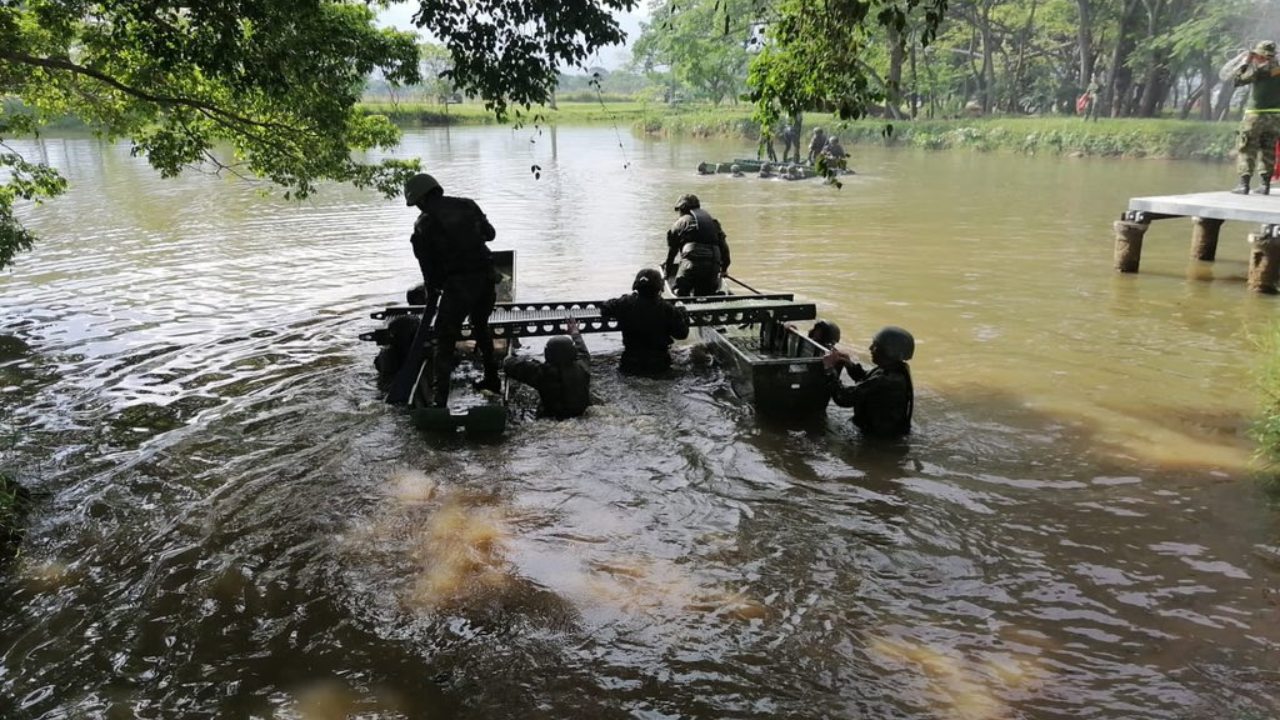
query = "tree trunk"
{"x": 1084, "y": 41}
{"x": 915, "y": 84}
{"x": 1206, "y": 99}
{"x": 1121, "y": 78}
{"x": 988, "y": 62}
{"x": 893, "y": 88}
{"x": 1223, "y": 106}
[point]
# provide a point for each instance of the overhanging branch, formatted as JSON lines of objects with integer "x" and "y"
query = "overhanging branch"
{"x": 201, "y": 105}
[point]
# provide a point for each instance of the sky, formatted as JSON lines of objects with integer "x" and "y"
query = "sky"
{"x": 400, "y": 16}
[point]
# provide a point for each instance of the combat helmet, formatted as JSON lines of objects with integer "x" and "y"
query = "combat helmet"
{"x": 1266, "y": 48}
{"x": 687, "y": 203}
{"x": 825, "y": 333}
{"x": 418, "y": 187}
{"x": 560, "y": 350}
{"x": 648, "y": 282}
{"x": 896, "y": 343}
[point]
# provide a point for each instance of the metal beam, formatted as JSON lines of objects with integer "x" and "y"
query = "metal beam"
{"x": 548, "y": 318}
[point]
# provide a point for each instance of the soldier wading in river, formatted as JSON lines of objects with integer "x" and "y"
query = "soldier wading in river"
{"x": 698, "y": 244}
{"x": 450, "y": 240}
{"x": 883, "y": 399}
{"x": 648, "y": 324}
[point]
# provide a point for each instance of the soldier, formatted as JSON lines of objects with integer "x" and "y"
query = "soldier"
{"x": 883, "y": 399}
{"x": 450, "y": 241}
{"x": 1091, "y": 99}
{"x": 563, "y": 382}
{"x": 648, "y": 325}
{"x": 765, "y": 149}
{"x": 1260, "y": 128}
{"x": 817, "y": 145}
{"x": 699, "y": 245}
{"x": 834, "y": 151}
{"x": 789, "y": 140}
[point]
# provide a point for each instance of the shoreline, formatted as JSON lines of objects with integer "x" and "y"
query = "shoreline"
{"x": 1057, "y": 135}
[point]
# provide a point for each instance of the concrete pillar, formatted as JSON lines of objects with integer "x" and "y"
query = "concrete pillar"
{"x": 1264, "y": 263}
{"x": 1129, "y": 244}
{"x": 1204, "y": 238}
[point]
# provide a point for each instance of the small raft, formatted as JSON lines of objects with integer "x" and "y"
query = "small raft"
{"x": 764, "y": 169}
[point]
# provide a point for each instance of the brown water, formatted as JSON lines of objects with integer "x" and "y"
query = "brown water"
{"x": 230, "y": 524}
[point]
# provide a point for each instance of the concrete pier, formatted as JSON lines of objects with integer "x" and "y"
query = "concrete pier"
{"x": 1207, "y": 212}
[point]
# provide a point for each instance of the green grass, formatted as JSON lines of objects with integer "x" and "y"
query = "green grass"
{"x": 416, "y": 114}
{"x": 1133, "y": 138}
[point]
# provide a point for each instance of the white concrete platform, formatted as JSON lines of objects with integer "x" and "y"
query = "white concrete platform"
{"x": 1221, "y": 205}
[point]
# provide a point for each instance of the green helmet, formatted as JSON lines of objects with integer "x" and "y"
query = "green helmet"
{"x": 825, "y": 333}
{"x": 560, "y": 350}
{"x": 1265, "y": 48}
{"x": 687, "y": 202}
{"x": 648, "y": 282}
{"x": 896, "y": 343}
{"x": 418, "y": 187}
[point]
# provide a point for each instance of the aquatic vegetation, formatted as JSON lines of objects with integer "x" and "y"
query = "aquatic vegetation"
{"x": 1266, "y": 429}
{"x": 14, "y": 500}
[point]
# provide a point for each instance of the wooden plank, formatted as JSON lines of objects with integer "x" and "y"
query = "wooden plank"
{"x": 1222, "y": 205}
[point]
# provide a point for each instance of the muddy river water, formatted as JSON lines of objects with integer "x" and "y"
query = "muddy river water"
{"x": 230, "y": 524}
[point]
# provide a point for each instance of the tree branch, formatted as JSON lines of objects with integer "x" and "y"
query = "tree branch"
{"x": 205, "y": 107}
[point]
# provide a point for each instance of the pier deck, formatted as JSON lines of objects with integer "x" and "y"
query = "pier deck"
{"x": 1222, "y": 205}
{"x": 1207, "y": 210}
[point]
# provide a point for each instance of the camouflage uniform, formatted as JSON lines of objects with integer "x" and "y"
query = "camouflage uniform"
{"x": 1256, "y": 145}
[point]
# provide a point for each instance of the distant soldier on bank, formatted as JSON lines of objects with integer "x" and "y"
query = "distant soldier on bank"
{"x": 1256, "y": 146}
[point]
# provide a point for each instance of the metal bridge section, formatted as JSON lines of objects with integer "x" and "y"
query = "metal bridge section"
{"x": 532, "y": 319}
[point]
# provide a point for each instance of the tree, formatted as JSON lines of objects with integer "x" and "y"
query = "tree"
{"x": 814, "y": 54}
{"x": 275, "y": 81}
{"x": 435, "y": 66}
{"x": 702, "y": 42}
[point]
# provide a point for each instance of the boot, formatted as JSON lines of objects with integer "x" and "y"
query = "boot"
{"x": 1243, "y": 187}
{"x": 491, "y": 382}
{"x": 1264, "y": 185}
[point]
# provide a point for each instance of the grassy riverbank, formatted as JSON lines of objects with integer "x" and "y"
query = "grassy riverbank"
{"x": 417, "y": 114}
{"x": 1051, "y": 135}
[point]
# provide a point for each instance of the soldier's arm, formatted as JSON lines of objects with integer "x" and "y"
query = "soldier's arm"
{"x": 677, "y": 322}
{"x": 674, "y": 240}
{"x": 483, "y": 228}
{"x": 724, "y": 248}
{"x": 1246, "y": 74}
{"x": 524, "y": 369}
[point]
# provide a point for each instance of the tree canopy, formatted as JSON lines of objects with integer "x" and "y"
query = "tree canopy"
{"x": 276, "y": 81}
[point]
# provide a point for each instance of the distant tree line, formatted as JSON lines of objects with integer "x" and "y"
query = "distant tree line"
{"x": 1142, "y": 58}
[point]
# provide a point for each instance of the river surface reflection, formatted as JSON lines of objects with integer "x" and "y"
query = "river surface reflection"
{"x": 230, "y": 524}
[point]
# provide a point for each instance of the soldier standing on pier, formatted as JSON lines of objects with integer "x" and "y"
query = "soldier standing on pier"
{"x": 1256, "y": 147}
